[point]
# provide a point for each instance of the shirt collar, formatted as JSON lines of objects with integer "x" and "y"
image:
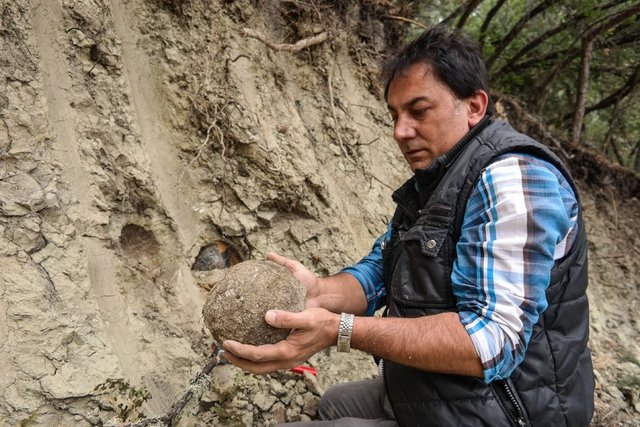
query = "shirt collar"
{"x": 427, "y": 178}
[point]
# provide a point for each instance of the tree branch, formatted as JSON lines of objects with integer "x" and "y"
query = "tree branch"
{"x": 621, "y": 92}
{"x": 487, "y": 21}
{"x": 197, "y": 383}
{"x": 612, "y": 20}
{"x": 469, "y": 8}
{"x": 573, "y": 22}
{"x": 536, "y": 42}
{"x": 571, "y": 52}
{"x": 452, "y": 15}
{"x": 555, "y": 71}
{"x": 407, "y": 20}
{"x": 296, "y": 47}
{"x": 516, "y": 29}
{"x": 587, "y": 53}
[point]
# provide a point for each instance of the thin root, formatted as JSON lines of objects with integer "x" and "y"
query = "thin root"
{"x": 296, "y": 47}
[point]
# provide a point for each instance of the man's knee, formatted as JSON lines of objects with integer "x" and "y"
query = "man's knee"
{"x": 332, "y": 403}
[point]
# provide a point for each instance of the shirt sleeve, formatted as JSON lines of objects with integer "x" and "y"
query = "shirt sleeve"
{"x": 520, "y": 217}
{"x": 368, "y": 271}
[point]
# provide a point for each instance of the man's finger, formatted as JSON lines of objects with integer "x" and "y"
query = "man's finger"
{"x": 257, "y": 368}
{"x": 288, "y": 263}
{"x": 253, "y": 353}
{"x": 287, "y": 320}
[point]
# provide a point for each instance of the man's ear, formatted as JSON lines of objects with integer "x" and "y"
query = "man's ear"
{"x": 477, "y": 107}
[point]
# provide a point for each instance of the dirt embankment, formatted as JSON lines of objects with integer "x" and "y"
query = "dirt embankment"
{"x": 134, "y": 133}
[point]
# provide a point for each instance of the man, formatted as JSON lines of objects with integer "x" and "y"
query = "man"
{"x": 483, "y": 270}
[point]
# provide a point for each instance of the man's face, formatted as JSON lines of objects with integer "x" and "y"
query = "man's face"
{"x": 428, "y": 118}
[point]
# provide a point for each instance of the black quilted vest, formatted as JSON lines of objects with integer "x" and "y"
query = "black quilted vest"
{"x": 554, "y": 385}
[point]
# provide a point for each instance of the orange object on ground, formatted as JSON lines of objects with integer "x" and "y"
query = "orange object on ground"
{"x": 301, "y": 369}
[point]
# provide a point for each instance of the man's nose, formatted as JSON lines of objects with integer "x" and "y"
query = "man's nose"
{"x": 403, "y": 129}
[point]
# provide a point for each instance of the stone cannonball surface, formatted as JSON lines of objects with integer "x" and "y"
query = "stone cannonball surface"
{"x": 237, "y": 303}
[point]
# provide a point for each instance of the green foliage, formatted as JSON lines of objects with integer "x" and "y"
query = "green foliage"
{"x": 125, "y": 399}
{"x": 534, "y": 52}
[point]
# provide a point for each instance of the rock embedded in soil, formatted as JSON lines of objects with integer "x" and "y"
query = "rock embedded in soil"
{"x": 237, "y": 303}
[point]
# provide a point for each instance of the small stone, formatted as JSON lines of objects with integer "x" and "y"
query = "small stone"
{"x": 286, "y": 398}
{"x": 267, "y": 215}
{"x": 292, "y": 414}
{"x": 298, "y": 401}
{"x": 246, "y": 418}
{"x": 615, "y": 393}
{"x": 51, "y": 200}
{"x": 248, "y": 222}
{"x": 276, "y": 387}
{"x": 311, "y": 403}
{"x": 208, "y": 400}
{"x": 301, "y": 387}
{"x": 278, "y": 410}
{"x": 223, "y": 380}
{"x": 173, "y": 55}
{"x": 263, "y": 400}
{"x": 19, "y": 195}
{"x": 312, "y": 384}
{"x": 239, "y": 403}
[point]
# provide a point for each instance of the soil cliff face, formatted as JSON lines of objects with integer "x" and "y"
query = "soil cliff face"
{"x": 134, "y": 133}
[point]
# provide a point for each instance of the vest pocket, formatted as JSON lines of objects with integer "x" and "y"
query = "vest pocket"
{"x": 429, "y": 237}
{"x": 421, "y": 276}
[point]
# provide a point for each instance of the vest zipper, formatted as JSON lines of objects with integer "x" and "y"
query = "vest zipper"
{"x": 408, "y": 213}
{"x": 519, "y": 414}
{"x": 386, "y": 388}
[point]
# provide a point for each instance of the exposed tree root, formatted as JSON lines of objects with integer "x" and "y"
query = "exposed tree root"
{"x": 296, "y": 47}
{"x": 198, "y": 384}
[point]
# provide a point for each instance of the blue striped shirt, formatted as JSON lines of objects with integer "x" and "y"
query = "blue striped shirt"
{"x": 521, "y": 216}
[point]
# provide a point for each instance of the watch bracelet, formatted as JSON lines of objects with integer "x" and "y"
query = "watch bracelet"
{"x": 345, "y": 329}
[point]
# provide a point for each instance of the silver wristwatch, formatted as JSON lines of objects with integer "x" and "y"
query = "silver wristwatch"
{"x": 345, "y": 328}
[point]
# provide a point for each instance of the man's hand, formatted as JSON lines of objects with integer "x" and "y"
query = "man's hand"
{"x": 303, "y": 274}
{"x": 313, "y": 330}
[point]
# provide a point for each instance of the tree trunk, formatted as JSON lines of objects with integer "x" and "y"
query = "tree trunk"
{"x": 615, "y": 117}
{"x": 583, "y": 87}
{"x": 587, "y": 52}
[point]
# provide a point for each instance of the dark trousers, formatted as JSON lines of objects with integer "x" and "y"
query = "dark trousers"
{"x": 357, "y": 404}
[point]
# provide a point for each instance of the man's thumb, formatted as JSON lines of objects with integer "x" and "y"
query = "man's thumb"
{"x": 271, "y": 317}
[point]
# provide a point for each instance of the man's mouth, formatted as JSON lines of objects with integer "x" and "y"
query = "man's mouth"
{"x": 413, "y": 153}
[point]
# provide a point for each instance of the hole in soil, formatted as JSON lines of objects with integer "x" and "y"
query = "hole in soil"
{"x": 138, "y": 241}
{"x": 216, "y": 255}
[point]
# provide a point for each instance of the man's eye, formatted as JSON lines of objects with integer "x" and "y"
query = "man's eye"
{"x": 419, "y": 112}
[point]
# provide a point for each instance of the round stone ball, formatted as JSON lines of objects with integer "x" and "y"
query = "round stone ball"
{"x": 237, "y": 303}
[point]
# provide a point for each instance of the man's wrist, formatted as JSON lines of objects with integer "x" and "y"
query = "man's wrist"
{"x": 341, "y": 292}
{"x": 345, "y": 330}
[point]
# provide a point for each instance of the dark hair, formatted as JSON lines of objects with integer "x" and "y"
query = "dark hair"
{"x": 455, "y": 59}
